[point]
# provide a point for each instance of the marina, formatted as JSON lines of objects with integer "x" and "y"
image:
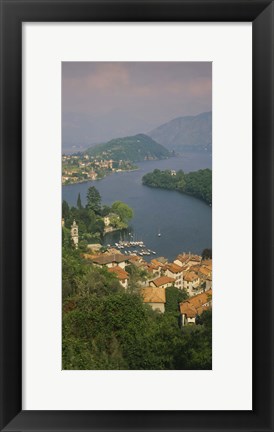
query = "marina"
{"x": 130, "y": 245}
{"x": 127, "y": 248}
{"x": 183, "y": 222}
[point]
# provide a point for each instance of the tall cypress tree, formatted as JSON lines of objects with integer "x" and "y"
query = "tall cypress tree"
{"x": 79, "y": 202}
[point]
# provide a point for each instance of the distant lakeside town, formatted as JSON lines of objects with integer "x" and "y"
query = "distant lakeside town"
{"x": 79, "y": 168}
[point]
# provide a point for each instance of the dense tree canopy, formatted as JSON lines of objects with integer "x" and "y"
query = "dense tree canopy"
{"x": 117, "y": 331}
{"x": 198, "y": 183}
{"x": 173, "y": 297}
{"x": 207, "y": 254}
{"x": 65, "y": 210}
{"x": 93, "y": 200}
{"x": 122, "y": 210}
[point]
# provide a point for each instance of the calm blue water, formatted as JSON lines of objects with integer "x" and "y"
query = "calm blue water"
{"x": 184, "y": 222}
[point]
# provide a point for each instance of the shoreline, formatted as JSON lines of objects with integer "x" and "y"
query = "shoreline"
{"x": 101, "y": 178}
{"x": 183, "y": 193}
{"x": 117, "y": 172}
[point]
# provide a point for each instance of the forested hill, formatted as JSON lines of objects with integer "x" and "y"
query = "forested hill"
{"x": 132, "y": 148}
{"x": 197, "y": 183}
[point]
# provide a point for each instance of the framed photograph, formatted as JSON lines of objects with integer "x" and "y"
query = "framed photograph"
{"x": 137, "y": 179}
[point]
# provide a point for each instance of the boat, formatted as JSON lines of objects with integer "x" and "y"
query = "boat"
{"x": 159, "y": 233}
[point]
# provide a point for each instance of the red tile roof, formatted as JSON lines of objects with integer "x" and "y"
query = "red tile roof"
{"x": 205, "y": 271}
{"x": 107, "y": 259}
{"x": 174, "y": 268}
{"x": 190, "y": 276}
{"x": 207, "y": 263}
{"x": 153, "y": 295}
{"x": 182, "y": 258}
{"x": 157, "y": 263}
{"x": 162, "y": 280}
{"x": 195, "y": 305}
{"x": 120, "y": 273}
{"x": 196, "y": 258}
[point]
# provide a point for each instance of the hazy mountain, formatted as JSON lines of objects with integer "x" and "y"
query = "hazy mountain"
{"x": 192, "y": 133}
{"x": 132, "y": 148}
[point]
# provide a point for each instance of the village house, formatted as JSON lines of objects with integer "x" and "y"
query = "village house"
{"x": 207, "y": 263}
{"x": 194, "y": 268}
{"x": 162, "y": 282}
{"x": 203, "y": 272}
{"x": 107, "y": 164}
{"x": 111, "y": 260}
{"x": 111, "y": 222}
{"x": 107, "y": 219}
{"x": 190, "y": 309}
{"x": 154, "y": 297}
{"x": 185, "y": 268}
{"x": 133, "y": 259}
{"x": 151, "y": 268}
{"x": 191, "y": 282}
{"x": 194, "y": 260}
{"x": 174, "y": 271}
{"x": 158, "y": 265}
{"x": 188, "y": 259}
{"x": 92, "y": 175}
{"x": 181, "y": 260}
{"x": 121, "y": 274}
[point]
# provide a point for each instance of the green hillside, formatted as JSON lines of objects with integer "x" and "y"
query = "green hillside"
{"x": 133, "y": 148}
{"x": 197, "y": 183}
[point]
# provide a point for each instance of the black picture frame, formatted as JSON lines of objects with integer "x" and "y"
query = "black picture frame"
{"x": 13, "y": 14}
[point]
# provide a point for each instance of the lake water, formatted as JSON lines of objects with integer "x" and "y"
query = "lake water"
{"x": 185, "y": 222}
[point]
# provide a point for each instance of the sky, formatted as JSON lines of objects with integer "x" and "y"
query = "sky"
{"x": 105, "y": 100}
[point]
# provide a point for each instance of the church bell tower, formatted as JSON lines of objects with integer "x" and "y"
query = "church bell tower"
{"x": 74, "y": 234}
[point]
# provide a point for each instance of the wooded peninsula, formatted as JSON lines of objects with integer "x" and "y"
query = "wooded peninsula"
{"x": 197, "y": 183}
